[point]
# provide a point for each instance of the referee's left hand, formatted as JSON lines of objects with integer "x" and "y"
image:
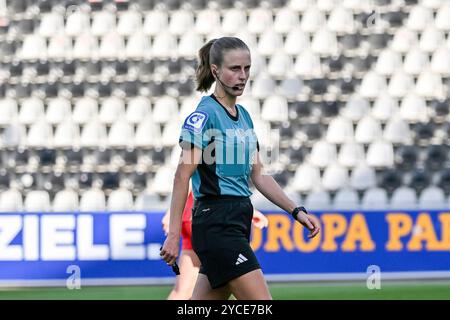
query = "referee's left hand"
{"x": 310, "y": 222}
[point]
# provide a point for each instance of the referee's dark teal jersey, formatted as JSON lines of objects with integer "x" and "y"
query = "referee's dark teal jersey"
{"x": 229, "y": 146}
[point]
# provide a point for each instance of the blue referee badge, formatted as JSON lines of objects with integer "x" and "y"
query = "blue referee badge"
{"x": 195, "y": 121}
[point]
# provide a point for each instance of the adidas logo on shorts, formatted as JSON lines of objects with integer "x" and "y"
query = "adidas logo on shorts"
{"x": 241, "y": 259}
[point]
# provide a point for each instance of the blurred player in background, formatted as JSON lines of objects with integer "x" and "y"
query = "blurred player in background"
{"x": 188, "y": 261}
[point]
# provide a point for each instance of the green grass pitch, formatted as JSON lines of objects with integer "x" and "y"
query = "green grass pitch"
{"x": 421, "y": 290}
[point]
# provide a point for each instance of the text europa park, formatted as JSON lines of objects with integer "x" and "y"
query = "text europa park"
{"x": 349, "y": 234}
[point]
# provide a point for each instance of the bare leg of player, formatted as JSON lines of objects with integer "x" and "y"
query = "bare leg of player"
{"x": 185, "y": 282}
{"x": 203, "y": 290}
{"x": 250, "y": 286}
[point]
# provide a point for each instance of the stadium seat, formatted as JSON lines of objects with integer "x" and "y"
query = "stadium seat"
{"x": 323, "y": 154}
{"x": 324, "y": 42}
{"x": 346, "y": 199}
{"x": 351, "y": 155}
{"x": 432, "y": 198}
{"x": 291, "y": 87}
{"x": 155, "y": 21}
{"x": 269, "y": 43}
{"x": 260, "y": 202}
{"x": 40, "y": 135}
{"x": 275, "y": 109}
{"x": 206, "y": 20}
{"x": 58, "y": 109}
{"x": 296, "y": 41}
{"x": 308, "y": 65}
{"x": 404, "y": 40}
{"x": 233, "y": 21}
{"x": 263, "y": 86}
{"x": 380, "y": 154}
{"x": 372, "y": 85}
{"x": 9, "y": 111}
{"x": 260, "y": 20}
{"x": 436, "y": 155}
{"x": 50, "y": 24}
{"x": 375, "y": 199}
{"x": 250, "y": 103}
{"x": 441, "y": 21}
{"x": 159, "y": 183}
{"x": 138, "y": 46}
{"x": 419, "y": 18}
{"x": 341, "y": 20}
{"x": 390, "y": 179}
{"x": 59, "y": 48}
{"x": 368, "y": 130}
{"x": 31, "y": 110}
{"x": 363, "y": 177}
{"x": 93, "y": 135}
{"x": 67, "y": 135}
{"x": 413, "y": 108}
{"x": 403, "y": 198}
{"x": 189, "y": 45}
{"x": 148, "y": 134}
{"x": 306, "y": 178}
{"x": 111, "y": 109}
{"x": 85, "y": 109}
{"x": 120, "y": 200}
{"x": 388, "y": 62}
{"x": 165, "y": 109}
{"x": 138, "y": 108}
{"x": 430, "y": 39}
{"x": 169, "y": 139}
{"x": 164, "y": 45}
{"x": 406, "y": 157}
{"x": 180, "y": 21}
{"x": 37, "y": 201}
{"x": 153, "y": 202}
{"x": 285, "y": 20}
{"x": 318, "y": 200}
{"x": 66, "y": 201}
{"x": 121, "y": 134}
{"x": 77, "y": 23}
{"x": 444, "y": 179}
{"x": 415, "y": 61}
{"x": 312, "y": 20}
{"x": 280, "y": 64}
{"x": 440, "y": 61}
{"x": 340, "y": 130}
{"x": 129, "y": 22}
{"x": 93, "y": 200}
{"x": 429, "y": 85}
{"x": 299, "y": 5}
{"x": 103, "y": 22}
{"x": 112, "y": 46}
{"x": 400, "y": 85}
{"x": 85, "y": 47}
{"x": 335, "y": 177}
{"x": 397, "y": 131}
{"x": 11, "y": 200}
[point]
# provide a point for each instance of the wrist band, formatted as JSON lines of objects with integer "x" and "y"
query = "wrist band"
{"x": 297, "y": 210}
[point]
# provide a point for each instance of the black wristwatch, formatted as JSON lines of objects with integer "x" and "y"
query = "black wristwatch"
{"x": 295, "y": 212}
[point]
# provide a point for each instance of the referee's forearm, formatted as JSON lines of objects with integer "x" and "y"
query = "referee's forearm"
{"x": 178, "y": 202}
{"x": 272, "y": 191}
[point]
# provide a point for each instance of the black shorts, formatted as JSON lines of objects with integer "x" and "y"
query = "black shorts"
{"x": 221, "y": 238}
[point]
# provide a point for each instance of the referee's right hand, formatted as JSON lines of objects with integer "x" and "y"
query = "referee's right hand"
{"x": 310, "y": 222}
{"x": 170, "y": 249}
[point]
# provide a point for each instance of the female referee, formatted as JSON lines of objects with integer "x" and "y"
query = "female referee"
{"x": 220, "y": 152}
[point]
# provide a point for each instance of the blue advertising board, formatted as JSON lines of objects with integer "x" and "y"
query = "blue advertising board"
{"x": 123, "y": 247}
